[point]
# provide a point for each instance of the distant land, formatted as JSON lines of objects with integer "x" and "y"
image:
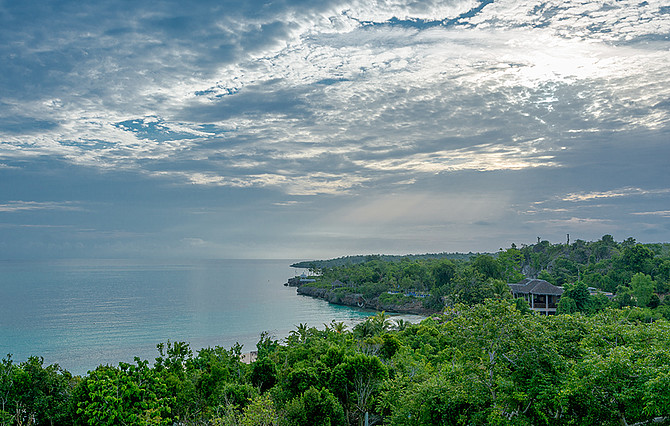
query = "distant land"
{"x": 593, "y": 275}
{"x": 361, "y": 258}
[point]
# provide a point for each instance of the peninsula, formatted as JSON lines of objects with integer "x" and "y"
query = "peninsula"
{"x": 590, "y": 276}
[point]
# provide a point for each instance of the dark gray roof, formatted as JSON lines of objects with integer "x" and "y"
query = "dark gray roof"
{"x": 535, "y": 286}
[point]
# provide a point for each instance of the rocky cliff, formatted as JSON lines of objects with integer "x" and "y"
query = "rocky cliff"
{"x": 357, "y": 299}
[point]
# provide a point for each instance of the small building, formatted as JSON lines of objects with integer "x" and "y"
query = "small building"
{"x": 541, "y": 295}
{"x": 249, "y": 357}
{"x": 297, "y": 281}
{"x": 304, "y": 279}
{"x": 594, "y": 291}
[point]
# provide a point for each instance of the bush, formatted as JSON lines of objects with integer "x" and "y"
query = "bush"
{"x": 394, "y": 299}
{"x": 370, "y": 290}
{"x": 315, "y": 407}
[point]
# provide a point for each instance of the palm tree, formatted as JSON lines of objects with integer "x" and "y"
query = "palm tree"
{"x": 500, "y": 289}
{"x": 400, "y": 324}
{"x": 338, "y": 327}
{"x": 381, "y": 322}
{"x": 300, "y": 332}
{"x": 364, "y": 329}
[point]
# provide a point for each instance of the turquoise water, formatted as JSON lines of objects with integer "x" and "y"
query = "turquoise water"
{"x": 81, "y": 314}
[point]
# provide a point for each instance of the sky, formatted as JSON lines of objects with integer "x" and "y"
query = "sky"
{"x": 298, "y": 129}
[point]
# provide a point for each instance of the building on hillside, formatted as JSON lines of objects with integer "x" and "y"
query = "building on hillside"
{"x": 297, "y": 281}
{"x": 542, "y": 296}
{"x": 594, "y": 291}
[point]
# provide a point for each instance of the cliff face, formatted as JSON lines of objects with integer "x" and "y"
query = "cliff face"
{"x": 356, "y": 299}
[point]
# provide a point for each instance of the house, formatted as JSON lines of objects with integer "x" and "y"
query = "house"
{"x": 542, "y": 296}
{"x": 594, "y": 291}
{"x": 249, "y": 357}
{"x": 298, "y": 281}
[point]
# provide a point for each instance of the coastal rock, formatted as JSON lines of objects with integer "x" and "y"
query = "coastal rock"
{"x": 357, "y": 300}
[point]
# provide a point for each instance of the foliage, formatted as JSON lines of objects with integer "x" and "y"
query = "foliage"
{"x": 314, "y": 407}
{"x": 483, "y": 359}
{"x": 129, "y": 394}
{"x": 487, "y": 363}
{"x": 604, "y": 265}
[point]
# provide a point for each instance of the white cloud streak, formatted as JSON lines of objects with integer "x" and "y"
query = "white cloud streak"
{"x": 22, "y": 206}
{"x": 615, "y": 193}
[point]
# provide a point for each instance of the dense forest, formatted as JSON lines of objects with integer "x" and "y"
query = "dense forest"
{"x": 356, "y": 259}
{"x": 483, "y": 358}
{"x": 490, "y": 363}
{"x": 595, "y": 275}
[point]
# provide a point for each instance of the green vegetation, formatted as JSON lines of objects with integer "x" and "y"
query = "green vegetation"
{"x": 483, "y": 364}
{"x": 484, "y": 359}
{"x": 635, "y": 275}
{"x": 354, "y": 260}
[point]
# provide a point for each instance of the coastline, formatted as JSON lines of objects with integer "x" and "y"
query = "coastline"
{"x": 358, "y": 301}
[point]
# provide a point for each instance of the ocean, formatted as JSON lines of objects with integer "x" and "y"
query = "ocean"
{"x": 84, "y": 313}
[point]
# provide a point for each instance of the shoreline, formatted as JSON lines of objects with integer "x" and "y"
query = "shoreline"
{"x": 357, "y": 300}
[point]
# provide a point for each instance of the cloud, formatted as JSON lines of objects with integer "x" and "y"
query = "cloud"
{"x": 393, "y": 89}
{"x": 21, "y": 206}
{"x": 661, "y": 213}
{"x": 616, "y": 193}
{"x": 559, "y": 106}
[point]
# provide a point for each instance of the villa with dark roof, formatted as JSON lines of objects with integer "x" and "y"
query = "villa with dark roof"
{"x": 542, "y": 296}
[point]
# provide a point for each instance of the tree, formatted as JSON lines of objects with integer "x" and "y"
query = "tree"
{"x": 642, "y": 287}
{"x": 566, "y": 305}
{"x": 263, "y": 374}
{"x": 580, "y": 294}
{"x": 357, "y": 380}
{"x": 130, "y": 394}
{"x": 637, "y": 258}
{"x": 511, "y": 261}
{"x": 260, "y": 412}
{"x": 500, "y": 289}
{"x": 546, "y": 275}
{"x": 443, "y": 272}
{"x": 488, "y": 266}
{"x": 315, "y": 407}
{"x": 381, "y": 322}
{"x": 31, "y": 393}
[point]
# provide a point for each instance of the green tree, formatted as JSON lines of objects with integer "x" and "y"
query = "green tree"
{"x": 488, "y": 266}
{"x": 546, "y": 275}
{"x": 381, "y": 322}
{"x": 260, "y": 412}
{"x": 443, "y": 272}
{"x": 566, "y": 305}
{"x": 315, "y": 407}
{"x": 637, "y": 258}
{"x": 580, "y": 294}
{"x": 356, "y": 382}
{"x": 511, "y": 261}
{"x": 642, "y": 287}
{"x": 130, "y": 394}
{"x": 31, "y": 393}
{"x": 263, "y": 374}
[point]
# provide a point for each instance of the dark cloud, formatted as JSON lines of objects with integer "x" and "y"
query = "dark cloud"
{"x": 252, "y": 102}
{"x": 369, "y": 126}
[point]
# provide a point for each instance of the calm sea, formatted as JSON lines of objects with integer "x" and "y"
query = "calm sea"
{"x": 81, "y": 314}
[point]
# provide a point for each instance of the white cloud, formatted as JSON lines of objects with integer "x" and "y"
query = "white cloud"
{"x": 615, "y": 193}
{"x": 661, "y": 213}
{"x": 21, "y": 206}
{"x": 352, "y": 90}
